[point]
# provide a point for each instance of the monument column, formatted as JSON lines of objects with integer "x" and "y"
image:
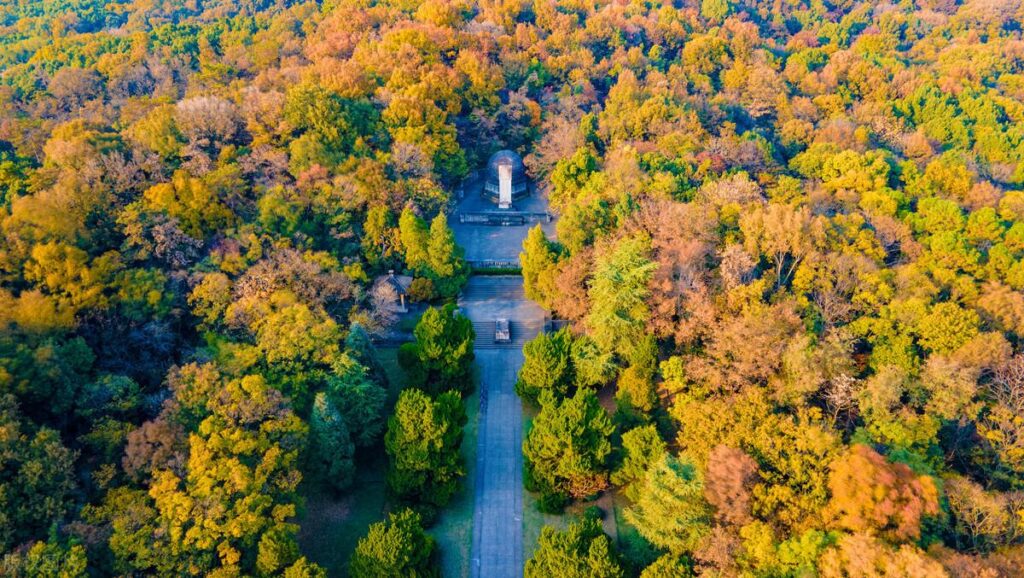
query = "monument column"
{"x": 504, "y": 186}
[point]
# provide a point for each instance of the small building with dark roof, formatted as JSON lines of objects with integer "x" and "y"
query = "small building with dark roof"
{"x": 506, "y": 178}
{"x": 396, "y": 287}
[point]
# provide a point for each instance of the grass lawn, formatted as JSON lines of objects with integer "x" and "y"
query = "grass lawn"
{"x": 407, "y": 322}
{"x": 330, "y": 526}
{"x": 454, "y": 528}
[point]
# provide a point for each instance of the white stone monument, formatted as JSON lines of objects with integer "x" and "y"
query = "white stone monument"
{"x": 504, "y": 186}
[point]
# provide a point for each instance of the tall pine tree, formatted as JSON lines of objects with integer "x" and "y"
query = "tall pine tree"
{"x": 415, "y": 239}
{"x": 423, "y": 442}
{"x": 568, "y": 447}
{"x": 331, "y": 450}
{"x": 547, "y": 365}
{"x": 398, "y": 547}
{"x": 447, "y": 267}
{"x": 581, "y": 551}
{"x": 539, "y": 261}
{"x": 618, "y": 296}
{"x": 441, "y": 358}
{"x": 671, "y": 512}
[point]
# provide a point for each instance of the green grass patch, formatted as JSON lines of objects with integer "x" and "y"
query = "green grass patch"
{"x": 406, "y": 323}
{"x": 454, "y": 528}
{"x": 396, "y": 375}
{"x": 330, "y": 525}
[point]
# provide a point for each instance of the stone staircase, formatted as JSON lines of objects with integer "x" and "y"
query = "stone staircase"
{"x": 521, "y": 333}
{"x": 500, "y": 288}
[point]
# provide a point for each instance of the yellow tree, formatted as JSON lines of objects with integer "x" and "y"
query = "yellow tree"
{"x": 779, "y": 232}
{"x": 237, "y": 493}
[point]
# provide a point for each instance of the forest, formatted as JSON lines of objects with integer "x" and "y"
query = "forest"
{"x": 789, "y": 270}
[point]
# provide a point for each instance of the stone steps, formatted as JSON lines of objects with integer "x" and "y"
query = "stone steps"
{"x": 521, "y": 333}
{"x": 493, "y": 294}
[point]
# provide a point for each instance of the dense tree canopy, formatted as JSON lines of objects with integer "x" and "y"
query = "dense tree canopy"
{"x": 582, "y": 550}
{"x": 789, "y": 250}
{"x": 423, "y": 442}
{"x": 568, "y": 446}
{"x": 398, "y": 547}
{"x": 441, "y": 358}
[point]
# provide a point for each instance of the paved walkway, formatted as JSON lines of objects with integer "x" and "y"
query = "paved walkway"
{"x": 485, "y": 243}
{"x": 497, "y": 516}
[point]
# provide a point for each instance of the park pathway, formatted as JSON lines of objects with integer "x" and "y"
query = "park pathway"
{"x": 497, "y": 550}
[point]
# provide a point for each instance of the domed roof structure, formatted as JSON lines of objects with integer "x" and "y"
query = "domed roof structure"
{"x": 506, "y": 157}
{"x": 508, "y": 166}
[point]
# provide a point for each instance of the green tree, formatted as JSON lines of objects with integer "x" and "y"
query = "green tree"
{"x": 641, "y": 447}
{"x": 158, "y": 132}
{"x": 667, "y": 566}
{"x": 336, "y": 124}
{"x": 584, "y": 221}
{"x": 947, "y": 327}
{"x": 14, "y": 175}
{"x": 447, "y": 267}
{"x": 423, "y": 442}
{"x": 635, "y": 389}
{"x": 398, "y": 547}
{"x": 415, "y": 239}
{"x": 547, "y": 365}
{"x": 359, "y": 346}
{"x": 618, "y": 296}
{"x": 303, "y": 568}
{"x": 358, "y": 398}
{"x": 539, "y": 261}
{"x": 591, "y": 366}
{"x": 581, "y": 551}
{"x": 210, "y": 298}
{"x": 44, "y": 373}
{"x": 567, "y": 447}
{"x": 297, "y": 342}
{"x": 51, "y": 559}
{"x": 36, "y": 478}
{"x": 671, "y": 512}
{"x": 441, "y": 358}
{"x": 381, "y": 240}
{"x": 330, "y": 446}
{"x": 571, "y": 174}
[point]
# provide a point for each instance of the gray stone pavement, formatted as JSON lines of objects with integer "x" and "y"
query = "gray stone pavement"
{"x": 498, "y": 505}
{"x": 498, "y": 511}
{"x": 497, "y": 550}
{"x": 483, "y": 242}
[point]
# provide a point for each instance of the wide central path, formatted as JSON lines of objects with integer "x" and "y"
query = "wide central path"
{"x": 497, "y": 517}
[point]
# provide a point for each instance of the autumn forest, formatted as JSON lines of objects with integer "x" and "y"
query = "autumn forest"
{"x": 783, "y": 286}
